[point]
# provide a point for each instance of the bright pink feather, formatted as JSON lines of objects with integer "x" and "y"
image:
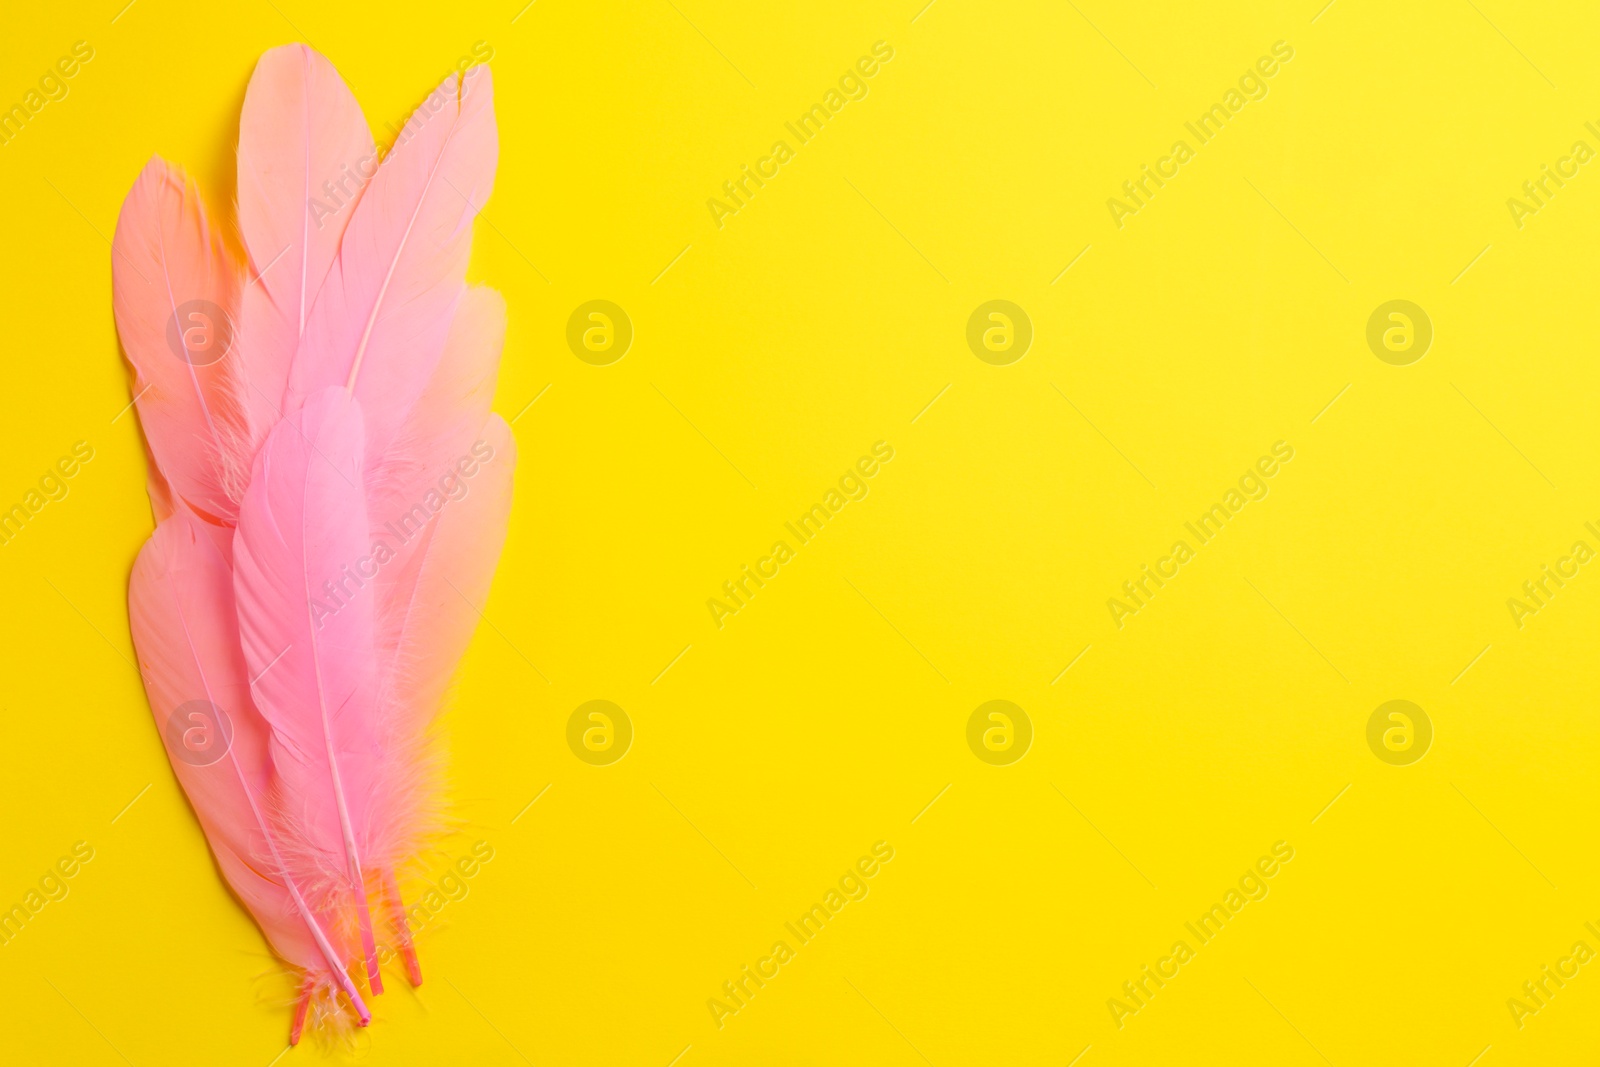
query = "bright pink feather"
{"x": 180, "y": 609}
{"x": 172, "y": 287}
{"x": 305, "y": 154}
{"x": 307, "y": 629}
{"x": 381, "y": 318}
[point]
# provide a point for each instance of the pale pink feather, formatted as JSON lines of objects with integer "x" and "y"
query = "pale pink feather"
{"x": 170, "y": 279}
{"x": 428, "y": 628}
{"x": 415, "y": 477}
{"x": 305, "y": 155}
{"x": 439, "y": 504}
{"x": 441, "y": 454}
{"x": 426, "y": 624}
{"x": 180, "y": 608}
{"x": 308, "y": 633}
{"x": 380, "y": 321}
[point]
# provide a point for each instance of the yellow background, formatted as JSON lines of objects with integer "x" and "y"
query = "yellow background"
{"x": 827, "y": 714}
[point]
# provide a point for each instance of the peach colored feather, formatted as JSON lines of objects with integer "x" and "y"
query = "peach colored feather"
{"x": 175, "y": 294}
{"x": 180, "y": 610}
{"x": 305, "y": 154}
{"x": 381, "y": 318}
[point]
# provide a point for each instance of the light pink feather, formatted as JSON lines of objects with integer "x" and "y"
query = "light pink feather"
{"x": 308, "y": 634}
{"x": 441, "y": 493}
{"x": 172, "y": 282}
{"x": 415, "y": 478}
{"x": 180, "y": 609}
{"x": 380, "y": 321}
{"x": 440, "y": 454}
{"x": 305, "y": 155}
{"x": 428, "y": 628}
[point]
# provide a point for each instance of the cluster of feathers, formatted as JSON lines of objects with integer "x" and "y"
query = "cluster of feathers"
{"x": 294, "y": 404}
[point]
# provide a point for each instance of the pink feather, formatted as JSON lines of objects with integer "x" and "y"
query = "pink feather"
{"x": 302, "y": 526}
{"x": 160, "y": 493}
{"x": 427, "y": 626}
{"x": 381, "y": 319}
{"x": 438, "y": 504}
{"x": 173, "y": 286}
{"x": 305, "y": 154}
{"x": 357, "y": 393}
{"x": 180, "y": 609}
{"x": 439, "y": 438}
